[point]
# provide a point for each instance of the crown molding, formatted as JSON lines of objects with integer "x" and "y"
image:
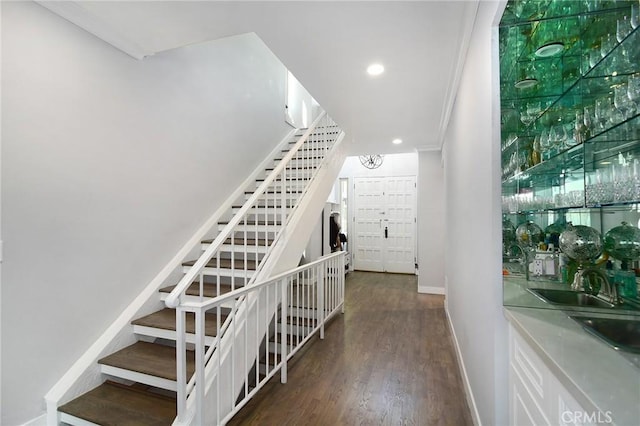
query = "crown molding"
{"x": 471, "y": 13}
{"x": 78, "y": 15}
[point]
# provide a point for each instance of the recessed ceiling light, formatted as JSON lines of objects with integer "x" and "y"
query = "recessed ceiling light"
{"x": 375, "y": 69}
{"x": 396, "y": 141}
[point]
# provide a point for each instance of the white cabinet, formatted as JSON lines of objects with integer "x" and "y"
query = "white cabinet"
{"x": 536, "y": 396}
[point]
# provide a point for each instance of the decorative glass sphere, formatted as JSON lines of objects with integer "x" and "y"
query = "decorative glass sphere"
{"x": 529, "y": 234}
{"x": 623, "y": 242}
{"x": 581, "y": 243}
{"x": 553, "y": 231}
{"x": 508, "y": 232}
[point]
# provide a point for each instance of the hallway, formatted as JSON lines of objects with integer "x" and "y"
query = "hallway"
{"x": 388, "y": 360}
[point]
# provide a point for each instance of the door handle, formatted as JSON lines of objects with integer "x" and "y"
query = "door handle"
{"x": 386, "y": 232}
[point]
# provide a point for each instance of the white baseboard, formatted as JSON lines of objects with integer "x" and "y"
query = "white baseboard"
{"x": 38, "y": 421}
{"x": 430, "y": 290}
{"x": 475, "y": 415}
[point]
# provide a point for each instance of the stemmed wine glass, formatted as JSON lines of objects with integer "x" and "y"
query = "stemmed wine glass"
{"x": 602, "y": 112}
{"x": 633, "y": 88}
{"x": 622, "y": 102}
{"x": 635, "y": 14}
{"x": 607, "y": 44}
{"x": 623, "y": 28}
{"x": 558, "y": 135}
{"x": 545, "y": 145}
{"x": 588, "y": 120}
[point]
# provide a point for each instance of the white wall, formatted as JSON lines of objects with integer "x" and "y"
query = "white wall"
{"x": 431, "y": 229}
{"x": 0, "y": 221}
{"x": 302, "y": 109}
{"x": 108, "y": 166}
{"x": 473, "y": 262}
{"x": 392, "y": 165}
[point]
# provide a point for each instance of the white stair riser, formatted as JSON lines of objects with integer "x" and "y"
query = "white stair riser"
{"x": 291, "y": 184}
{"x": 222, "y": 272}
{"x": 307, "y": 313}
{"x": 134, "y": 376}
{"x": 238, "y": 253}
{"x": 267, "y": 201}
{"x": 298, "y": 330}
{"x": 276, "y": 348}
{"x": 68, "y": 419}
{"x": 253, "y": 228}
{"x": 274, "y": 215}
{"x": 304, "y": 161}
{"x": 297, "y": 174}
{"x": 240, "y": 248}
{"x": 260, "y": 211}
{"x": 159, "y": 333}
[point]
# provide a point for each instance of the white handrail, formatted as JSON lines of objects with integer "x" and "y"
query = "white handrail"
{"x": 174, "y": 297}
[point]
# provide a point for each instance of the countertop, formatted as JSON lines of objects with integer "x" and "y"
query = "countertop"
{"x": 599, "y": 377}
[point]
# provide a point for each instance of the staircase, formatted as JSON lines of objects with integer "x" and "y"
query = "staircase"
{"x": 145, "y": 382}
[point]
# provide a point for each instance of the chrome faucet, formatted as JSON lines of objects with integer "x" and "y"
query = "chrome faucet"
{"x": 581, "y": 282}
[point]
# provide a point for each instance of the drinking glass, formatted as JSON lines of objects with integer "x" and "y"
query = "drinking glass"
{"x": 622, "y": 101}
{"x": 585, "y": 65}
{"x": 545, "y": 145}
{"x": 604, "y": 186}
{"x": 635, "y": 177}
{"x": 579, "y": 128}
{"x": 602, "y": 112}
{"x": 588, "y": 120}
{"x": 619, "y": 178}
{"x": 623, "y": 28}
{"x": 594, "y": 56}
{"x": 633, "y": 88}
{"x": 593, "y": 5}
{"x": 635, "y": 14}
{"x": 558, "y": 135}
{"x": 591, "y": 188}
{"x": 607, "y": 44}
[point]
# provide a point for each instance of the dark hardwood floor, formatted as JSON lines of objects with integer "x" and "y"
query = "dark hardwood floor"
{"x": 389, "y": 360}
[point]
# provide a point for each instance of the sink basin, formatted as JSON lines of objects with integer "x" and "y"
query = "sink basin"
{"x": 570, "y": 298}
{"x": 622, "y": 334}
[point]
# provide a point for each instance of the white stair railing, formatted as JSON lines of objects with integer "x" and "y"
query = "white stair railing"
{"x": 263, "y": 216}
{"x": 305, "y": 299}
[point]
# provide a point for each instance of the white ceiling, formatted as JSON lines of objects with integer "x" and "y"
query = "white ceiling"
{"x": 327, "y": 45}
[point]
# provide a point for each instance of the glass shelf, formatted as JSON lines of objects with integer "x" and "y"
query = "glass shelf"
{"x": 574, "y": 122}
{"x": 570, "y": 126}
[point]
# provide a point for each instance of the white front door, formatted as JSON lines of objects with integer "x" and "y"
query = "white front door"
{"x": 385, "y": 224}
{"x": 368, "y": 210}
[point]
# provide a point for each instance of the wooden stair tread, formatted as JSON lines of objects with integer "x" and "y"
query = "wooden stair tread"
{"x": 209, "y": 289}
{"x": 149, "y": 358}
{"x": 275, "y": 192}
{"x": 226, "y": 264}
{"x": 112, "y": 404}
{"x": 166, "y": 319}
{"x": 289, "y": 205}
{"x": 270, "y": 169}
